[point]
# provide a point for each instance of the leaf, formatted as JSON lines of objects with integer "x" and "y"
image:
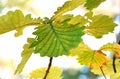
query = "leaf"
{"x": 113, "y": 47}
{"x": 89, "y": 15}
{"x": 63, "y": 18}
{"x": 72, "y": 20}
{"x": 108, "y": 68}
{"x": 90, "y": 4}
{"x": 68, "y": 6}
{"x": 16, "y": 21}
{"x": 78, "y": 19}
{"x": 115, "y": 76}
{"x": 92, "y": 58}
{"x": 57, "y": 39}
{"x": 89, "y": 57}
{"x": 80, "y": 49}
{"x": 103, "y": 23}
{"x": 55, "y": 73}
{"x": 26, "y": 53}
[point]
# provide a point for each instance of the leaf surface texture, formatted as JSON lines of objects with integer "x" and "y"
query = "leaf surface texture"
{"x": 54, "y": 39}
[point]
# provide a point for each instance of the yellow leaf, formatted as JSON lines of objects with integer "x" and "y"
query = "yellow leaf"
{"x": 113, "y": 47}
{"x": 100, "y": 25}
{"x": 16, "y": 21}
{"x": 78, "y": 19}
{"x": 115, "y": 76}
{"x": 26, "y": 53}
{"x": 108, "y": 68}
{"x": 54, "y": 73}
{"x": 92, "y": 58}
{"x": 89, "y": 57}
{"x": 80, "y": 49}
{"x": 68, "y": 6}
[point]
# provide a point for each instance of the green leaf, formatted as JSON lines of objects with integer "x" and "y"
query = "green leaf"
{"x": 68, "y": 6}
{"x": 16, "y": 21}
{"x": 108, "y": 68}
{"x": 89, "y": 57}
{"x": 26, "y": 53}
{"x": 57, "y": 39}
{"x": 90, "y": 4}
{"x": 112, "y": 47}
{"x": 55, "y": 73}
{"x": 100, "y": 25}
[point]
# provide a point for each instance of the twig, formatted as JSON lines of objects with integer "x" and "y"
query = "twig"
{"x": 114, "y": 66}
{"x": 103, "y": 72}
{"x": 48, "y": 69}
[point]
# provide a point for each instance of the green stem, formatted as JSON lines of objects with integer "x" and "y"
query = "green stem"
{"x": 48, "y": 69}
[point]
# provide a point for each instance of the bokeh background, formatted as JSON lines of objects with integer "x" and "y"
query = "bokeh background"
{"x": 11, "y": 47}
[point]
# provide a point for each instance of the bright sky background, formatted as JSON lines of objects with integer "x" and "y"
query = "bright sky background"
{"x": 11, "y": 47}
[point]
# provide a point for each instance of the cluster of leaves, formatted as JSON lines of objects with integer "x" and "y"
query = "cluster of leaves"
{"x": 97, "y": 59}
{"x": 61, "y": 35}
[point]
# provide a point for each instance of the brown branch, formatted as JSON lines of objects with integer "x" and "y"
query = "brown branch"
{"x": 103, "y": 72}
{"x": 113, "y": 63}
{"x": 48, "y": 69}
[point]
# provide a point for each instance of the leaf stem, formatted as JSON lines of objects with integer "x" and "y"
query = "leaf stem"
{"x": 114, "y": 66}
{"x": 48, "y": 69}
{"x": 103, "y": 72}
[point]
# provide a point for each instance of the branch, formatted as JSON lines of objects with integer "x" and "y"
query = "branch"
{"x": 114, "y": 66}
{"x": 103, "y": 72}
{"x": 48, "y": 69}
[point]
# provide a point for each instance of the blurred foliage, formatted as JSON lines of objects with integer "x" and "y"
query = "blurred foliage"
{"x": 72, "y": 73}
{"x": 14, "y": 3}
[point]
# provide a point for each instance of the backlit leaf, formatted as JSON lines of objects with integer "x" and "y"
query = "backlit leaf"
{"x": 89, "y": 57}
{"x": 80, "y": 49}
{"x": 115, "y": 76}
{"x": 90, "y": 4}
{"x": 62, "y": 18}
{"x": 78, "y": 19}
{"x": 100, "y": 25}
{"x": 108, "y": 68}
{"x": 113, "y": 47}
{"x": 16, "y": 21}
{"x": 57, "y": 39}
{"x": 68, "y": 6}
{"x": 92, "y": 58}
{"x": 73, "y": 20}
{"x": 26, "y": 53}
{"x": 89, "y": 14}
{"x": 54, "y": 73}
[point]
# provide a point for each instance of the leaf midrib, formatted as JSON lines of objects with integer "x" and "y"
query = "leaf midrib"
{"x": 57, "y": 37}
